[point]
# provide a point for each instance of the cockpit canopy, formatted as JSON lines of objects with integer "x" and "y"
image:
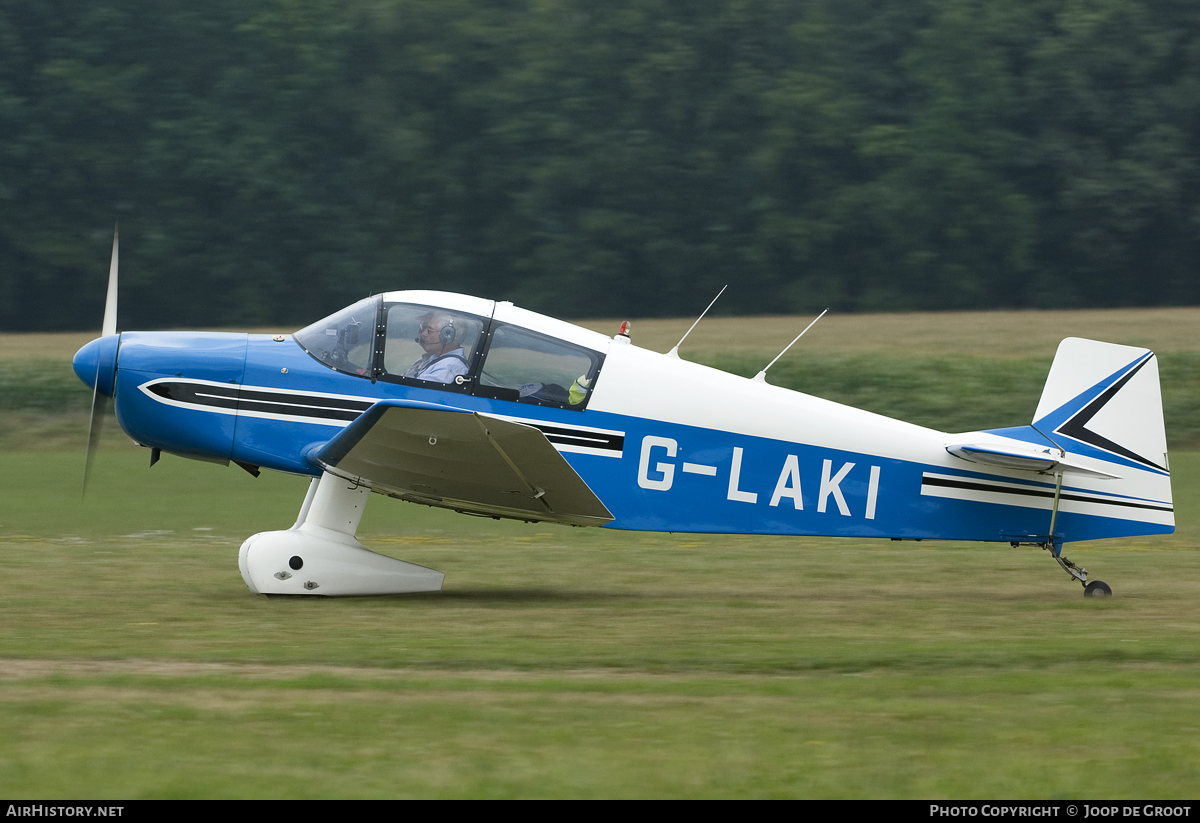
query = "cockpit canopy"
{"x": 346, "y": 340}
{"x": 455, "y": 343}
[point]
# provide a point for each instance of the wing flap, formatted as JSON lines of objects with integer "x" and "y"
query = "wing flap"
{"x": 462, "y": 460}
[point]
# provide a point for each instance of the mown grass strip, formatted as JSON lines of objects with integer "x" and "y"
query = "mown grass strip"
{"x": 1061, "y": 732}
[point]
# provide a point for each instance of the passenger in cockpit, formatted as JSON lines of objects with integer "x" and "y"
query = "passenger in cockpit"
{"x": 444, "y": 357}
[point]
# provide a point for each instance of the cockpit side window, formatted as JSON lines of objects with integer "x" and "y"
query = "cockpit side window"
{"x": 528, "y": 367}
{"x": 427, "y": 345}
{"x": 344, "y": 341}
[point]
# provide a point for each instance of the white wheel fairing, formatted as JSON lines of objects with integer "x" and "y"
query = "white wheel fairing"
{"x": 320, "y": 555}
{"x": 332, "y": 565}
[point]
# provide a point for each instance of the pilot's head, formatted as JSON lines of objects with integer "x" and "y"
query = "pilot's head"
{"x": 436, "y": 332}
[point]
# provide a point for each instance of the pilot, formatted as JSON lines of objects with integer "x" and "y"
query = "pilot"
{"x": 444, "y": 359}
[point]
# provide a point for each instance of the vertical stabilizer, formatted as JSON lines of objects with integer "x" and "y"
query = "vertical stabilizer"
{"x": 1104, "y": 401}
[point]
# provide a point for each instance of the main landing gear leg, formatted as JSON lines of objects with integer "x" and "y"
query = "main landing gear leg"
{"x": 319, "y": 554}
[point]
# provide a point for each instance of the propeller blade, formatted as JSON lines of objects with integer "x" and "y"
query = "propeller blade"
{"x": 95, "y": 427}
{"x": 100, "y": 401}
{"x": 110, "y": 302}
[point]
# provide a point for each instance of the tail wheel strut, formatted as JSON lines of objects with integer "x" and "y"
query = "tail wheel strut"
{"x": 1053, "y": 544}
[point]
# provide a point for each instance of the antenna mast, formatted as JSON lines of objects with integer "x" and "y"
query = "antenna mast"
{"x": 761, "y": 377}
{"x": 675, "y": 351}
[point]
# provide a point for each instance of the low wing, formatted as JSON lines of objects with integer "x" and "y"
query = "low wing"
{"x": 461, "y": 460}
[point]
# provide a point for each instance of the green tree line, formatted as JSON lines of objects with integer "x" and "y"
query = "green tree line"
{"x": 272, "y": 160}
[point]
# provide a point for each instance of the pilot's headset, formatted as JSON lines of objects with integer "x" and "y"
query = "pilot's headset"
{"x": 446, "y": 333}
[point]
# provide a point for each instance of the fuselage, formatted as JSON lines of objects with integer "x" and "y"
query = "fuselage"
{"x": 666, "y": 444}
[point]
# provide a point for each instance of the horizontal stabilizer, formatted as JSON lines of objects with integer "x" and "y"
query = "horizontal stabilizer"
{"x": 466, "y": 461}
{"x": 1032, "y": 458}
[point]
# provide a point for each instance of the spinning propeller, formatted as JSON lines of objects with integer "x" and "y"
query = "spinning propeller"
{"x": 104, "y": 351}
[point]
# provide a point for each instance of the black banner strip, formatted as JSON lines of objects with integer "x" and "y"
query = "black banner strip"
{"x": 1046, "y": 493}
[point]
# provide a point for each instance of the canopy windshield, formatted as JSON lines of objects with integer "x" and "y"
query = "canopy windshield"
{"x": 346, "y": 340}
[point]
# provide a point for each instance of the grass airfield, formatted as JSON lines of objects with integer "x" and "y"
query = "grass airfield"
{"x": 566, "y": 662}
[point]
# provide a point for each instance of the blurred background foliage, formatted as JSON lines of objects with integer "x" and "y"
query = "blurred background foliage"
{"x": 271, "y": 160}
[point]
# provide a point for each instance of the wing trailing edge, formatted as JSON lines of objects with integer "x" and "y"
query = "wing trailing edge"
{"x": 466, "y": 461}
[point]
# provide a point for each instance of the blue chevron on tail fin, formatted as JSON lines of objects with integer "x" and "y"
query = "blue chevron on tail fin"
{"x": 1103, "y": 400}
{"x": 1099, "y": 425}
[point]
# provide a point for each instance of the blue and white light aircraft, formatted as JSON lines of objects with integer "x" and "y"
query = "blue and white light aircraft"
{"x": 488, "y": 409}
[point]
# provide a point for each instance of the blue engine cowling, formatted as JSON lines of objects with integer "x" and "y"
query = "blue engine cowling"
{"x": 152, "y": 368}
